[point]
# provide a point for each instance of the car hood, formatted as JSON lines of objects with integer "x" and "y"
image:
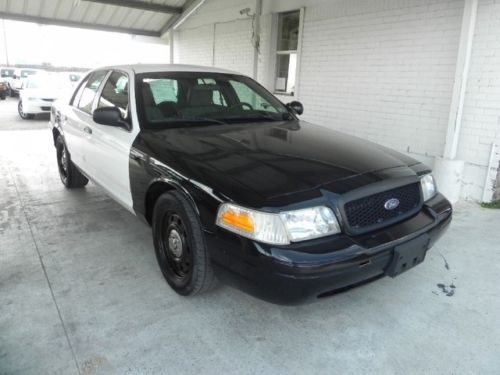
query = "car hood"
{"x": 258, "y": 163}
{"x": 47, "y": 93}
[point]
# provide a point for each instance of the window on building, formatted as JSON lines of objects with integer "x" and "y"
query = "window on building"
{"x": 287, "y": 52}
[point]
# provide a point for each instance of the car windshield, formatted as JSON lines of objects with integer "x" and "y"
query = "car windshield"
{"x": 43, "y": 81}
{"x": 170, "y": 99}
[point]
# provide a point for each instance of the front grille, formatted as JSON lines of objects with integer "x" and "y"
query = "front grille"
{"x": 45, "y": 108}
{"x": 369, "y": 212}
{"x": 48, "y": 100}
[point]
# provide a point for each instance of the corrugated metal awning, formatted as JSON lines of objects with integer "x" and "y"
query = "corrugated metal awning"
{"x": 139, "y": 17}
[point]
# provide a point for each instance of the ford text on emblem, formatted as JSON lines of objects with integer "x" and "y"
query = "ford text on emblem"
{"x": 391, "y": 204}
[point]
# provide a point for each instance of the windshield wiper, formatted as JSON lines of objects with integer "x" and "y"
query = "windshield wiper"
{"x": 197, "y": 120}
{"x": 207, "y": 119}
{"x": 253, "y": 116}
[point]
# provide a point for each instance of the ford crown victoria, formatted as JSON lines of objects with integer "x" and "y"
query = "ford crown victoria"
{"x": 237, "y": 188}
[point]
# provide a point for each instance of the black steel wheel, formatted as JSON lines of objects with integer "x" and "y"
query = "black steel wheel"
{"x": 180, "y": 245}
{"x": 175, "y": 248}
{"x": 62, "y": 162}
{"x": 70, "y": 176}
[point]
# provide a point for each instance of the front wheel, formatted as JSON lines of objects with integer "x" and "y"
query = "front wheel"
{"x": 180, "y": 245}
{"x": 24, "y": 115}
{"x": 71, "y": 177}
{"x": 2, "y": 96}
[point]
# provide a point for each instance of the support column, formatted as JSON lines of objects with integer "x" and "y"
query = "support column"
{"x": 256, "y": 37}
{"x": 448, "y": 170}
{"x": 171, "y": 46}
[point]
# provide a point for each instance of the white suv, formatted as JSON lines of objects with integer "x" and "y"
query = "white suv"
{"x": 19, "y": 78}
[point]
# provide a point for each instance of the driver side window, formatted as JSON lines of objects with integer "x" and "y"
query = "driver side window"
{"x": 115, "y": 93}
{"x": 247, "y": 95}
{"x": 90, "y": 90}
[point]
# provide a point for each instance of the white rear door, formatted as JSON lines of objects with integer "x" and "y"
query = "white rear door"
{"x": 77, "y": 118}
{"x": 107, "y": 148}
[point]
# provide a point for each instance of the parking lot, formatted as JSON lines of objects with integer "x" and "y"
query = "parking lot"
{"x": 80, "y": 292}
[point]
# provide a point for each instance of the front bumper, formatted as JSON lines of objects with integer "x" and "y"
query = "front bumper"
{"x": 317, "y": 268}
{"x": 37, "y": 106}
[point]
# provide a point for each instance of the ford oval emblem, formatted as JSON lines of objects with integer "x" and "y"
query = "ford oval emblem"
{"x": 391, "y": 204}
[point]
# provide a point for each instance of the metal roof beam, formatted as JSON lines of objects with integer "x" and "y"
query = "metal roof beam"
{"x": 152, "y": 7}
{"x": 90, "y": 26}
{"x": 189, "y": 8}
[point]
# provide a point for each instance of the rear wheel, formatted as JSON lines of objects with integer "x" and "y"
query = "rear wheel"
{"x": 71, "y": 177}
{"x": 180, "y": 245}
{"x": 24, "y": 115}
{"x": 2, "y": 96}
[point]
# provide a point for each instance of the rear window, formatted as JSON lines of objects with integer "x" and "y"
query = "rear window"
{"x": 163, "y": 90}
{"x": 6, "y": 73}
{"x": 27, "y": 73}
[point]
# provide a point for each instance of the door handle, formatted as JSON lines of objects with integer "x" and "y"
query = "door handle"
{"x": 87, "y": 130}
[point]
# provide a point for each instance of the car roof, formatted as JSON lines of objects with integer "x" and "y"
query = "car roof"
{"x": 153, "y": 68}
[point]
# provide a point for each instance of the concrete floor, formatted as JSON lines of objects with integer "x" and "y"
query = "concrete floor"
{"x": 80, "y": 293}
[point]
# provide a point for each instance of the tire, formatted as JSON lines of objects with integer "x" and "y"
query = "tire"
{"x": 70, "y": 176}
{"x": 2, "y": 97}
{"x": 24, "y": 116}
{"x": 180, "y": 246}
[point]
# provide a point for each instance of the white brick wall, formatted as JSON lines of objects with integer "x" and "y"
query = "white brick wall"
{"x": 195, "y": 46}
{"x": 233, "y": 46}
{"x": 217, "y": 36}
{"x": 386, "y": 75}
{"x": 481, "y": 119}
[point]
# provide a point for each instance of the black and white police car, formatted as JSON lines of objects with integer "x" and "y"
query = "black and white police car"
{"x": 236, "y": 187}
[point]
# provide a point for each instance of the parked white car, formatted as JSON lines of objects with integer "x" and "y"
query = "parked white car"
{"x": 39, "y": 92}
{"x": 19, "y": 79}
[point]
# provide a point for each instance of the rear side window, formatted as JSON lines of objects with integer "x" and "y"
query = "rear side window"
{"x": 90, "y": 90}
{"x": 115, "y": 93}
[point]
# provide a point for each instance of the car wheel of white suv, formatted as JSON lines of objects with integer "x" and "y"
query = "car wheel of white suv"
{"x": 24, "y": 116}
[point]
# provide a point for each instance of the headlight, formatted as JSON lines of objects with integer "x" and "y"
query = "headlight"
{"x": 428, "y": 187}
{"x": 31, "y": 98}
{"x": 278, "y": 229}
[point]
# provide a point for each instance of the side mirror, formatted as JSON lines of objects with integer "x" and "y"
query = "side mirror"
{"x": 14, "y": 76}
{"x": 109, "y": 116}
{"x": 296, "y": 107}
